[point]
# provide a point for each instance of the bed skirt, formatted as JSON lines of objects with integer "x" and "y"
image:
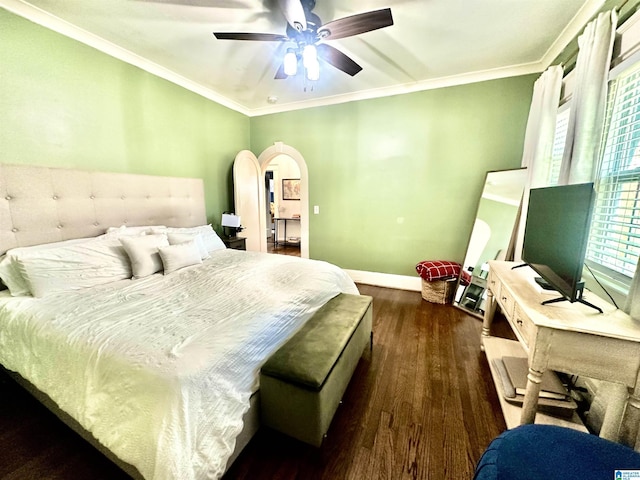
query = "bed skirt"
{"x": 250, "y": 420}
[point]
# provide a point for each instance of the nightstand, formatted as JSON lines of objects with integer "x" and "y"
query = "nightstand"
{"x": 236, "y": 243}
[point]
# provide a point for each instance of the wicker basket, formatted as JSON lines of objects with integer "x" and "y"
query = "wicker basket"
{"x": 438, "y": 291}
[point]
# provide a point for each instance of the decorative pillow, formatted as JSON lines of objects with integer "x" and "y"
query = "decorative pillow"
{"x": 178, "y": 238}
{"x": 431, "y": 270}
{"x": 175, "y": 257}
{"x": 9, "y": 272}
{"x": 73, "y": 267}
{"x": 143, "y": 253}
{"x": 212, "y": 241}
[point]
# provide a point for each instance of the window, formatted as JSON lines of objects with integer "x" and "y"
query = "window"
{"x": 614, "y": 244}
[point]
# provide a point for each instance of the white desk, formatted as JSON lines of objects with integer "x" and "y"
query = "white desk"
{"x": 566, "y": 337}
{"x": 276, "y": 221}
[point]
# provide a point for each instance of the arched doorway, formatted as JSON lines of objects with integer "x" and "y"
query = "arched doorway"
{"x": 249, "y": 195}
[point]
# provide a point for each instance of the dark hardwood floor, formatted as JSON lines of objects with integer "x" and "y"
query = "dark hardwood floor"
{"x": 420, "y": 406}
{"x": 292, "y": 250}
{"x": 34, "y": 444}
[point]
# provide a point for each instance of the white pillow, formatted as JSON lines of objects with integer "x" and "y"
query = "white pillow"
{"x": 175, "y": 257}
{"x": 9, "y": 272}
{"x": 212, "y": 241}
{"x": 143, "y": 253}
{"x": 141, "y": 230}
{"x": 11, "y": 276}
{"x": 73, "y": 267}
{"x": 177, "y": 238}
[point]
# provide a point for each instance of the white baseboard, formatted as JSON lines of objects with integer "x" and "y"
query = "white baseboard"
{"x": 388, "y": 280}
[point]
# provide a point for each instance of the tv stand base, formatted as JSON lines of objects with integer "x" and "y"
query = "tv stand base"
{"x": 579, "y": 300}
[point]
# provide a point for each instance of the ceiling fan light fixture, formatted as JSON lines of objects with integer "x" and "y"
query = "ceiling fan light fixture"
{"x": 290, "y": 62}
{"x": 309, "y": 56}
{"x": 313, "y": 71}
{"x": 305, "y": 31}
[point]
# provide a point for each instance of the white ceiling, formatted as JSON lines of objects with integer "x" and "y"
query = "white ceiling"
{"x": 433, "y": 43}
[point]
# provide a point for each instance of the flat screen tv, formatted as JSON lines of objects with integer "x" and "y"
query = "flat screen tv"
{"x": 555, "y": 237}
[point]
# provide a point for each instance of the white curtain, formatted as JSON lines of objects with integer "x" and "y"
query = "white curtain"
{"x": 541, "y": 126}
{"x": 538, "y": 139}
{"x": 632, "y": 305}
{"x": 580, "y": 159}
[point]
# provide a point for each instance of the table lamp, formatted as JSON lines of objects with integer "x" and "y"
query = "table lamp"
{"x": 231, "y": 222}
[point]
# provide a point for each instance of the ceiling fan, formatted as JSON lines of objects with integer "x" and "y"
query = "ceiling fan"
{"x": 306, "y": 33}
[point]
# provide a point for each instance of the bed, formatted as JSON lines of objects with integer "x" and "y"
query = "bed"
{"x": 161, "y": 371}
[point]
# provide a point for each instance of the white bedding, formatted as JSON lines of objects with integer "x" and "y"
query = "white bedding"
{"x": 161, "y": 369}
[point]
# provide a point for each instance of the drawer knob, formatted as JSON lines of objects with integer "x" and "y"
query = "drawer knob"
{"x": 504, "y": 299}
{"x": 519, "y": 322}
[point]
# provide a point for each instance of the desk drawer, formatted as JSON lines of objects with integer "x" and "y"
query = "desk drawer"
{"x": 524, "y": 326}
{"x": 493, "y": 284}
{"x": 506, "y": 301}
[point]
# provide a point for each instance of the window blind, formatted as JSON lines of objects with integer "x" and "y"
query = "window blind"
{"x": 559, "y": 139}
{"x": 614, "y": 241}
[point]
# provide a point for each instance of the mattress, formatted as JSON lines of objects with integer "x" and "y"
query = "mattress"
{"x": 160, "y": 370}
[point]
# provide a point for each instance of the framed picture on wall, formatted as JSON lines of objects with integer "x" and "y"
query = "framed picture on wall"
{"x": 291, "y": 189}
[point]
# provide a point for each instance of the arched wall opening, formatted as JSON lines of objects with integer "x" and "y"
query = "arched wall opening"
{"x": 265, "y": 158}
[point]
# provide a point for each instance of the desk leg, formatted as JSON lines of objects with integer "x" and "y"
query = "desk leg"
{"x": 275, "y": 232}
{"x": 530, "y": 404}
{"x": 630, "y": 421}
{"x": 489, "y": 312}
{"x": 612, "y": 420}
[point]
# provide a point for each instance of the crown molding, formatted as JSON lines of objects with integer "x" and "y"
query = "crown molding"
{"x": 67, "y": 29}
{"x": 431, "y": 84}
{"x": 571, "y": 31}
{"x": 47, "y": 20}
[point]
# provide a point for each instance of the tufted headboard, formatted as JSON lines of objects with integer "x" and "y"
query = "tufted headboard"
{"x": 43, "y": 204}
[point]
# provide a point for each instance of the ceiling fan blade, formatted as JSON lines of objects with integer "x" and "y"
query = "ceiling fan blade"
{"x": 294, "y": 13}
{"x": 260, "y": 37}
{"x": 280, "y": 75}
{"x": 356, "y": 24}
{"x": 338, "y": 59}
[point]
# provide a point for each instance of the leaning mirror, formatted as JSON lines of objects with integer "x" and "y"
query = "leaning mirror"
{"x": 496, "y": 217}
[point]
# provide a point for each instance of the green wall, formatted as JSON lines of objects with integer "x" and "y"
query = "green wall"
{"x": 65, "y": 104}
{"x": 398, "y": 179}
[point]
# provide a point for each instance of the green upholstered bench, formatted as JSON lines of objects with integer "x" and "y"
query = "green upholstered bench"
{"x": 301, "y": 385}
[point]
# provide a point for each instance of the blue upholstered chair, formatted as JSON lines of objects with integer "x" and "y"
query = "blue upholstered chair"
{"x": 545, "y": 452}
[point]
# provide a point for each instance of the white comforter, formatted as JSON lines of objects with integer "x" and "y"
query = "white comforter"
{"x": 160, "y": 370}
